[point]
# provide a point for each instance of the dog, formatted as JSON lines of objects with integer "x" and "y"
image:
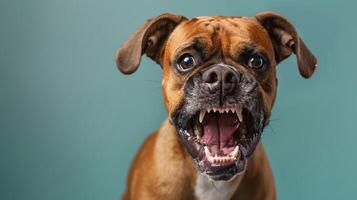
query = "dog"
{"x": 219, "y": 86}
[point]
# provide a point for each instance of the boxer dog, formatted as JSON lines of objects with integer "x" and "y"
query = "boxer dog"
{"x": 219, "y": 86}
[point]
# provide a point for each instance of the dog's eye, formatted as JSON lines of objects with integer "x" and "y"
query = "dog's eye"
{"x": 186, "y": 62}
{"x": 256, "y": 62}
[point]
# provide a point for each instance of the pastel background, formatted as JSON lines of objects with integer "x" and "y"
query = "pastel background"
{"x": 70, "y": 123}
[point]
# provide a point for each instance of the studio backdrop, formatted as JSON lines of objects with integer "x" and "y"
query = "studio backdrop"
{"x": 70, "y": 123}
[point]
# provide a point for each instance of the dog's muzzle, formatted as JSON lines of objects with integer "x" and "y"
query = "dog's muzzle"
{"x": 220, "y": 120}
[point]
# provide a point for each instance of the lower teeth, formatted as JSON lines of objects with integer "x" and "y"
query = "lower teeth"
{"x": 221, "y": 159}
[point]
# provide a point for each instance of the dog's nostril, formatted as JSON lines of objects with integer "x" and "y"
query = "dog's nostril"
{"x": 230, "y": 78}
{"x": 212, "y": 78}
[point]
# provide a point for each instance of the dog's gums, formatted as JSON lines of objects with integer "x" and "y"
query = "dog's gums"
{"x": 218, "y": 138}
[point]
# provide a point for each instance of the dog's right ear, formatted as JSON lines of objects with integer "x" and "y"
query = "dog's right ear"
{"x": 148, "y": 39}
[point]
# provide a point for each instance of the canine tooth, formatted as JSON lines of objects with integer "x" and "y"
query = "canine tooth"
{"x": 202, "y": 115}
{"x": 239, "y": 114}
{"x": 207, "y": 152}
{"x": 234, "y": 153}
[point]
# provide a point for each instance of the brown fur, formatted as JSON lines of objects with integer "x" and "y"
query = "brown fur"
{"x": 163, "y": 169}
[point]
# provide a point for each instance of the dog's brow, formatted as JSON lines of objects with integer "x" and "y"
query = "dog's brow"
{"x": 196, "y": 43}
{"x": 249, "y": 48}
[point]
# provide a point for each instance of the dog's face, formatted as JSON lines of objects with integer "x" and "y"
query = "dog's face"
{"x": 219, "y": 80}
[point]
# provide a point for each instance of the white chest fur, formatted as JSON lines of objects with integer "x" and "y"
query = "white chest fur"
{"x": 207, "y": 189}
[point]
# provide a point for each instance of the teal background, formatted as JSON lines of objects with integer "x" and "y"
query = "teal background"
{"x": 70, "y": 123}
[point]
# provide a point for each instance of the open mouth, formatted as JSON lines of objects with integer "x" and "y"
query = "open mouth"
{"x": 220, "y": 140}
{"x": 215, "y": 131}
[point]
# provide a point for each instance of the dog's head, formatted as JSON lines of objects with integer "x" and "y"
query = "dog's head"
{"x": 219, "y": 80}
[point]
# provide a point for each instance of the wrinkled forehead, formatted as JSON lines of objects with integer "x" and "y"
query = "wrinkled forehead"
{"x": 219, "y": 33}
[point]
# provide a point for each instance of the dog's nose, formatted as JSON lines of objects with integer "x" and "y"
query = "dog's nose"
{"x": 220, "y": 78}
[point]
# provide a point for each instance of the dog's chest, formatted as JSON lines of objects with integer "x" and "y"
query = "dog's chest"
{"x": 207, "y": 189}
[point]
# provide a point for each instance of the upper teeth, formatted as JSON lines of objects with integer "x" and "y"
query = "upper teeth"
{"x": 237, "y": 110}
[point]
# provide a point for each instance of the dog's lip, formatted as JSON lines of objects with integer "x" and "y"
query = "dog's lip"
{"x": 241, "y": 137}
{"x": 227, "y": 173}
{"x": 223, "y": 171}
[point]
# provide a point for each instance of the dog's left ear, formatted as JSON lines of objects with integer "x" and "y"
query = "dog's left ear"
{"x": 286, "y": 40}
{"x": 148, "y": 39}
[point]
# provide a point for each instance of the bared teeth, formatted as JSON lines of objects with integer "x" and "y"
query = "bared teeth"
{"x": 235, "y": 152}
{"x": 239, "y": 113}
{"x": 215, "y": 159}
{"x": 202, "y": 115}
{"x": 207, "y": 152}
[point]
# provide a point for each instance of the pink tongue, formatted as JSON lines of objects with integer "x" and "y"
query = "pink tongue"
{"x": 218, "y": 129}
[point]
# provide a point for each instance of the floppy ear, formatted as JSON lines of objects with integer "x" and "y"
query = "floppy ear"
{"x": 286, "y": 40}
{"x": 148, "y": 39}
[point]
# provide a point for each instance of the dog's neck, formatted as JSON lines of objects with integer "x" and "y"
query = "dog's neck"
{"x": 215, "y": 190}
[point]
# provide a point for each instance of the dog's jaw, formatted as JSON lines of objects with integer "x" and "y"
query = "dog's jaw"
{"x": 240, "y": 122}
